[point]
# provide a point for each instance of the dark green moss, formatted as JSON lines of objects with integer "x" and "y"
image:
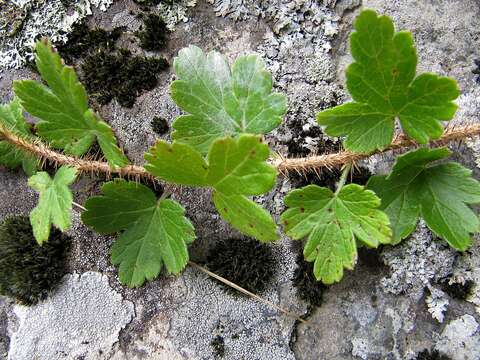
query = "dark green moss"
{"x": 160, "y": 125}
{"x": 308, "y": 288}
{"x": 457, "y": 290}
{"x": 83, "y": 40}
{"x": 246, "y": 262}
{"x": 476, "y": 71}
{"x": 431, "y": 355}
{"x": 329, "y": 177}
{"x": 218, "y": 344}
{"x": 120, "y": 75}
{"x": 28, "y": 271}
{"x": 153, "y": 35}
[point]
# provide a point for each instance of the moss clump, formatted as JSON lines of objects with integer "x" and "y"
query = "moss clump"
{"x": 28, "y": 271}
{"x": 459, "y": 291}
{"x": 83, "y": 40}
{"x": 120, "y": 75}
{"x": 153, "y": 35}
{"x": 431, "y": 355}
{"x": 218, "y": 344}
{"x": 246, "y": 262}
{"x": 308, "y": 288}
{"x": 160, "y": 125}
{"x": 329, "y": 178}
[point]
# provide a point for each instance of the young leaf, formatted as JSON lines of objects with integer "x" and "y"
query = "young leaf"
{"x": 221, "y": 102}
{"x": 332, "y": 222}
{"x": 54, "y": 204}
{"x": 236, "y": 168}
{"x": 439, "y": 193}
{"x": 11, "y": 118}
{"x": 155, "y": 232}
{"x": 62, "y": 107}
{"x": 383, "y": 86}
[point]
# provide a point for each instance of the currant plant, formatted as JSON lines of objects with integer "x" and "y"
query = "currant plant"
{"x": 218, "y": 145}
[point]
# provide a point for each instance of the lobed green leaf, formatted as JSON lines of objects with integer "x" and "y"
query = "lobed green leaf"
{"x": 236, "y": 168}
{"x": 62, "y": 107}
{"x": 383, "y": 86}
{"x": 220, "y": 102}
{"x": 11, "y": 118}
{"x": 439, "y": 193}
{"x": 54, "y": 203}
{"x": 332, "y": 223}
{"x": 155, "y": 232}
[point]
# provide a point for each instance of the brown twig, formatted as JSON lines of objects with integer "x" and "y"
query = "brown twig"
{"x": 284, "y": 165}
{"x": 248, "y": 293}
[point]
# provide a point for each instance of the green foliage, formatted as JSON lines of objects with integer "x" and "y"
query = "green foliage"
{"x": 222, "y": 102}
{"x": 11, "y": 118}
{"x": 439, "y": 193}
{"x": 383, "y": 86}
{"x": 28, "y": 271}
{"x": 62, "y": 107}
{"x": 54, "y": 204}
{"x": 155, "y": 232}
{"x": 235, "y": 169}
{"x": 333, "y": 222}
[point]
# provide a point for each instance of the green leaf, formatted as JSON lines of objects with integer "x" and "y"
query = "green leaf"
{"x": 11, "y": 118}
{"x": 62, "y": 107}
{"x": 54, "y": 204}
{"x": 220, "y": 102}
{"x": 246, "y": 216}
{"x": 155, "y": 232}
{"x": 236, "y": 168}
{"x": 439, "y": 193}
{"x": 383, "y": 86}
{"x": 332, "y": 222}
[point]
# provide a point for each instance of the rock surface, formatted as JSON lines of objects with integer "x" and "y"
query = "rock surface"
{"x": 395, "y": 304}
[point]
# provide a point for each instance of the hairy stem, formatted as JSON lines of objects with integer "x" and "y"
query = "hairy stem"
{"x": 284, "y": 165}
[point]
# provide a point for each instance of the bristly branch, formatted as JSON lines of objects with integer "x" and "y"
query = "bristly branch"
{"x": 284, "y": 165}
{"x": 336, "y": 160}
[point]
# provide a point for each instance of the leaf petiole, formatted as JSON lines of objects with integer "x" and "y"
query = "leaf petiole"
{"x": 343, "y": 178}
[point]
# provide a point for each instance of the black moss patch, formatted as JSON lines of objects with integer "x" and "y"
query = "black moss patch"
{"x": 120, "y": 75}
{"x": 246, "y": 262}
{"x": 218, "y": 345}
{"x": 28, "y": 271}
{"x": 295, "y": 148}
{"x": 477, "y": 70}
{"x": 153, "y": 34}
{"x": 83, "y": 40}
{"x": 458, "y": 291}
{"x": 329, "y": 177}
{"x": 431, "y": 355}
{"x": 308, "y": 288}
{"x": 160, "y": 125}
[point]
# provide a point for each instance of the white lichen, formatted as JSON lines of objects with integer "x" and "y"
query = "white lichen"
{"x": 437, "y": 303}
{"x": 39, "y": 18}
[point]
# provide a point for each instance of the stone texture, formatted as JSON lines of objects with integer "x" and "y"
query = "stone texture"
{"x": 389, "y": 307}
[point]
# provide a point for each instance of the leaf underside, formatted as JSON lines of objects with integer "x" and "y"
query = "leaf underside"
{"x": 54, "y": 204}
{"x": 66, "y": 121}
{"x": 332, "y": 224}
{"x": 11, "y": 118}
{"x": 384, "y": 88}
{"x": 155, "y": 233}
{"x": 439, "y": 193}
{"x": 235, "y": 169}
{"x": 222, "y": 102}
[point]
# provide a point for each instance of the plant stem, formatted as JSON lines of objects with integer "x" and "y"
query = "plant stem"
{"x": 284, "y": 166}
{"x": 343, "y": 178}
